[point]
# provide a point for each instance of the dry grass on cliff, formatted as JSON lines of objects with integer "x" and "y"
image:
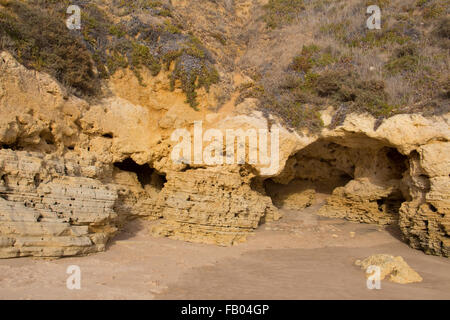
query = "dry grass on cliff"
{"x": 309, "y": 54}
{"x": 105, "y": 43}
{"x": 402, "y": 68}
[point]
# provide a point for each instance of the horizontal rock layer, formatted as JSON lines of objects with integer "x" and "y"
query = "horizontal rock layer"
{"x": 46, "y": 212}
{"x": 212, "y": 205}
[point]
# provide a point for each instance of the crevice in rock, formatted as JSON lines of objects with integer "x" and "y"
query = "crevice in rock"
{"x": 398, "y": 162}
{"x": 147, "y": 176}
{"x": 357, "y": 177}
{"x": 37, "y": 180}
{"x": 12, "y": 146}
{"x": 48, "y": 137}
{"x": 107, "y": 135}
{"x": 392, "y": 203}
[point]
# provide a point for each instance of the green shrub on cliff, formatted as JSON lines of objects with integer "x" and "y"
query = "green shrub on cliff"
{"x": 281, "y": 12}
{"x": 81, "y": 58}
{"x": 50, "y": 48}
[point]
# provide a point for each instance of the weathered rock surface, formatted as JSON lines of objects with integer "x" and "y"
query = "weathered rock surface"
{"x": 376, "y": 176}
{"x": 44, "y": 211}
{"x": 375, "y": 193}
{"x": 425, "y": 221}
{"x": 212, "y": 205}
{"x": 393, "y": 268}
{"x": 72, "y": 171}
{"x": 294, "y": 196}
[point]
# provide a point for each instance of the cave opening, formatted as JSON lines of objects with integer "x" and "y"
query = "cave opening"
{"x": 146, "y": 175}
{"x": 48, "y": 137}
{"x": 13, "y": 146}
{"x": 354, "y": 173}
{"x": 3, "y": 186}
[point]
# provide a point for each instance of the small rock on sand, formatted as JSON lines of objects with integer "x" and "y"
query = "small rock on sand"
{"x": 395, "y": 268}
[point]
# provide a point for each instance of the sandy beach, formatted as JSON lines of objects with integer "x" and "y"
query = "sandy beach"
{"x": 302, "y": 256}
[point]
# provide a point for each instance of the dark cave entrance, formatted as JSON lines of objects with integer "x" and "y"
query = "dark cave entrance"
{"x": 146, "y": 175}
{"x": 313, "y": 174}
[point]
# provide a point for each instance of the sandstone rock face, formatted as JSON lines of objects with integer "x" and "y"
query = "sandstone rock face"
{"x": 295, "y": 196}
{"x": 36, "y": 112}
{"x": 72, "y": 172}
{"x": 423, "y": 216}
{"x": 44, "y": 211}
{"x": 375, "y": 176}
{"x": 212, "y": 205}
{"x": 375, "y": 193}
{"x": 425, "y": 221}
{"x": 394, "y": 268}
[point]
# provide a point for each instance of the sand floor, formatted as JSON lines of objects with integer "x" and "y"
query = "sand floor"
{"x": 302, "y": 256}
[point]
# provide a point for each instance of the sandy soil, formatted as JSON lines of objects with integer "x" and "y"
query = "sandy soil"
{"x": 302, "y": 256}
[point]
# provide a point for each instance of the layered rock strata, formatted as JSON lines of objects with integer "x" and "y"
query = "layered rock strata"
{"x": 47, "y": 211}
{"x": 72, "y": 171}
{"x": 425, "y": 220}
{"x": 212, "y": 205}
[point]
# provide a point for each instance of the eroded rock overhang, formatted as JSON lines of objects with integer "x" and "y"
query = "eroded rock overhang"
{"x": 73, "y": 173}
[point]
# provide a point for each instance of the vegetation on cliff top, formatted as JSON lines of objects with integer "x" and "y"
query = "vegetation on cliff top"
{"x": 49, "y": 47}
{"x": 282, "y": 12}
{"x": 81, "y": 58}
{"x": 401, "y": 68}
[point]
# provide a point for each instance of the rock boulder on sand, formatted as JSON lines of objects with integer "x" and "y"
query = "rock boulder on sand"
{"x": 395, "y": 269}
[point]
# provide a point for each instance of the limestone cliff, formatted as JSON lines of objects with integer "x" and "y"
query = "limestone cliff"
{"x": 75, "y": 168}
